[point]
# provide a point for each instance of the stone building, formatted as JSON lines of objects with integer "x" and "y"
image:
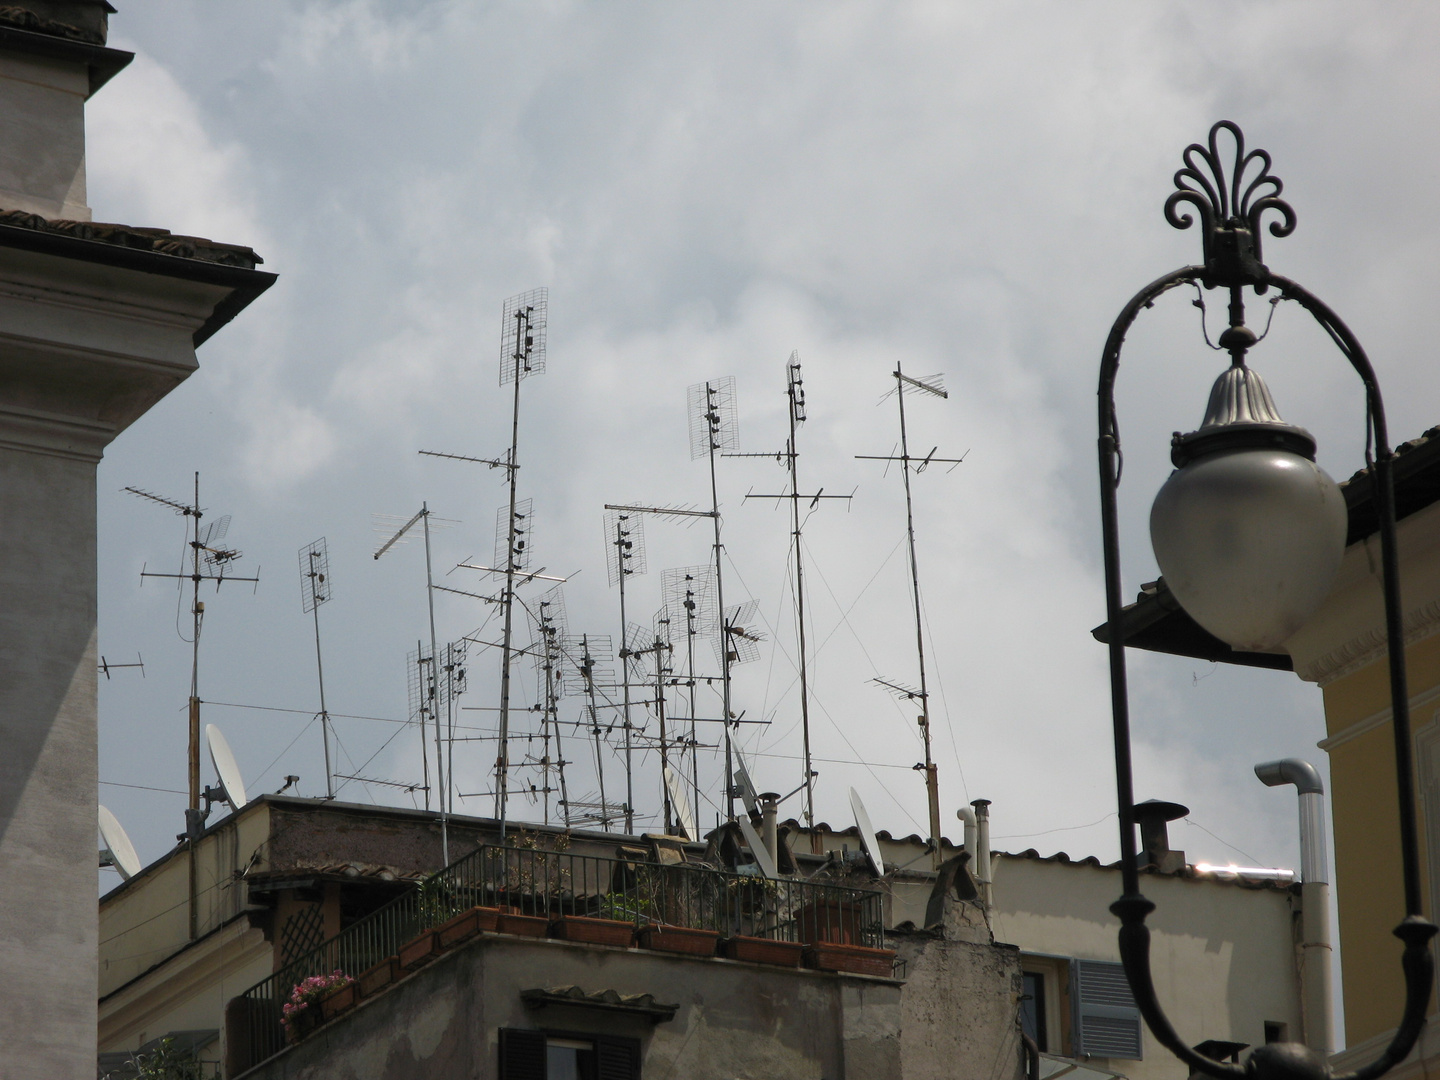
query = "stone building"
{"x": 288, "y": 888}
{"x": 97, "y": 323}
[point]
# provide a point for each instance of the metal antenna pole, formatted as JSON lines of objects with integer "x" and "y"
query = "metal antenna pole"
{"x": 690, "y": 612}
{"x": 197, "y": 610}
{"x": 420, "y": 713}
{"x": 625, "y": 676}
{"x": 712, "y": 416}
{"x": 929, "y": 385}
{"x": 587, "y": 670}
{"x": 324, "y": 713}
{"x": 660, "y": 647}
{"x": 794, "y": 391}
{"x": 932, "y": 787}
{"x": 441, "y": 789}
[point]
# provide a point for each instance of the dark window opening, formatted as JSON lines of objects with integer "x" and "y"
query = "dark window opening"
{"x": 541, "y": 1055}
{"x": 1032, "y": 1008}
{"x": 1275, "y": 1031}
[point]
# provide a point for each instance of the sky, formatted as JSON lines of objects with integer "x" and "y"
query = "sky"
{"x": 966, "y": 189}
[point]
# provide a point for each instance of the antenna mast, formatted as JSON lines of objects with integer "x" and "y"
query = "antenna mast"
{"x": 429, "y": 690}
{"x": 790, "y": 456}
{"x": 203, "y": 547}
{"x": 713, "y": 429}
{"x": 524, "y": 320}
{"x": 315, "y": 590}
{"x": 626, "y": 540}
{"x": 929, "y": 385}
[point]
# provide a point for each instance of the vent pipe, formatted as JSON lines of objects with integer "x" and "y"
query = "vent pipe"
{"x": 967, "y": 815}
{"x": 769, "y": 831}
{"x": 982, "y": 850}
{"x": 1315, "y": 947}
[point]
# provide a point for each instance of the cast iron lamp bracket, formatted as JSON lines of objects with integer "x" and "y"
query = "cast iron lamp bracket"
{"x": 1230, "y": 212}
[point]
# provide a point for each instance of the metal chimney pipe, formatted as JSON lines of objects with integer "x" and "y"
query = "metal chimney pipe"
{"x": 1315, "y": 946}
{"x": 769, "y": 831}
{"x": 982, "y": 850}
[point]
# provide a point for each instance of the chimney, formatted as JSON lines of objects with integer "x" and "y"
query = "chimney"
{"x": 1152, "y": 816}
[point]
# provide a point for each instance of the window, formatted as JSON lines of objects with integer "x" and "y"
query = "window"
{"x": 541, "y": 1055}
{"x": 1276, "y": 1031}
{"x": 1032, "y": 1008}
{"x": 1105, "y": 1021}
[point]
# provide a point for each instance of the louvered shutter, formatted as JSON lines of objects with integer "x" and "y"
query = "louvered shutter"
{"x": 1106, "y": 1021}
{"x": 522, "y": 1054}
{"x": 617, "y": 1058}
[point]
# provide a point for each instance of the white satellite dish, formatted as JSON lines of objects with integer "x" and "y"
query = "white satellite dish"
{"x": 682, "y": 807}
{"x": 746, "y": 786}
{"x": 867, "y": 834}
{"x": 116, "y": 849}
{"x": 758, "y": 849}
{"x": 225, "y": 767}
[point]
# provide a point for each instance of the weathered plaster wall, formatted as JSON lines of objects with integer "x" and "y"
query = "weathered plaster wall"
{"x": 958, "y": 1010}
{"x": 735, "y": 1020}
{"x": 42, "y": 136}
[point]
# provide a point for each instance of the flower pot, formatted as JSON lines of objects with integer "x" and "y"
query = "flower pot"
{"x": 595, "y": 931}
{"x": 375, "y": 979}
{"x": 763, "y": 951}
{"x": 853, "y": 959}
{"x": 419, "y": 951}
{"x": 835, "y": 921}
{"x": 339, "y": 1000}
{"x": 678, "y": 939}
{"x": 302, "y": 1023}
{"x": 522, "y": 925}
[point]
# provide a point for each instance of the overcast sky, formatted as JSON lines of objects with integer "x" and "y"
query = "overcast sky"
{"x": 966, "y": 189}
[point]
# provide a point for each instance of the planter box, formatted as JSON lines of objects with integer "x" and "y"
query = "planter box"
{"x": 763, "y": 951}
{"x": 595, "y": 931}
{"x": 678, "y": 939}
{"x": 522, "y": 925}
{"x": 419, "y": 951}
{"x": 467, "y": 925}
{"x": 829, "y": 921}
{"x": 339, "y": 1001}
{"x": 303, "y": 1023}
{"x": 854, "y": 959}
{"x": 375, "y": 979}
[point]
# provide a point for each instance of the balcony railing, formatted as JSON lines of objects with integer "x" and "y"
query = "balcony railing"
{"x": 554, "y": 884}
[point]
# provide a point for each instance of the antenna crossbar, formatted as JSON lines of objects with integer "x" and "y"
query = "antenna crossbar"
{"x": 673, "y": 511}
{"x": 520, "y": 576}
{"x": 494, "y": 463}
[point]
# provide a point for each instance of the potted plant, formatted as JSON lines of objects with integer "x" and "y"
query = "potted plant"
{"x": 298, "y": 1016}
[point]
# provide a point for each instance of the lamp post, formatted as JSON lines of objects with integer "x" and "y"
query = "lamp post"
{"x": 1249, "y": 533}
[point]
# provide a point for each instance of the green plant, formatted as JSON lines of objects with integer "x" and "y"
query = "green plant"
{"x": 169, "y": 1062}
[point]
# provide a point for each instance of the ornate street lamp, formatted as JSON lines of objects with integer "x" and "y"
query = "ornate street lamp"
{"x": 1249, "y": 533}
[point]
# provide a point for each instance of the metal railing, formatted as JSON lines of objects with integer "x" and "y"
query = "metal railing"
{"x": 556, "y": 884}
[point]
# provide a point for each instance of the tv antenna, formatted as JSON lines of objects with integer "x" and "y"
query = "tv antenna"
{"x": 422, "y": 516}
{"x": 689, "y": 594}
{"x": 929, "y": 385}
{"x": 205, "y": 550}
{"x": 105, "y": 667}
{"x": 713, "y": 430}
{"x": 625, "y": 551}
{"x": 549, "y": 627}
{"x": 315, "y": 589}
{"x": 588, "y": 657}
{"x": 790, "y": 457}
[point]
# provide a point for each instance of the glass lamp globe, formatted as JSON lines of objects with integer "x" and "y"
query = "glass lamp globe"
{"x": 1248, "y": 531}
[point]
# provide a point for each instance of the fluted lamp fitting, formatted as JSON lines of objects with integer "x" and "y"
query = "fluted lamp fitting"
{"x": 1248, "y": 531}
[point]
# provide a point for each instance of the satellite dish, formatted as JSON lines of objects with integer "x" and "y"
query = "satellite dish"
{"x": 867, "y": 834}
{"x": 225, "y": 767}
{"x": 744, "y": 783}
{"x": 682, "y": 807}
{"x": 758, "y": 849}
{"x": 116, "y": 849}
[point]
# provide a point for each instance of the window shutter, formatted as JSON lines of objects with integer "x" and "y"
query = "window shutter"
{"x": 617, "y": 1058}
{"x": 522, "y": 1054}
{"x": 1106, "y": 1021}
